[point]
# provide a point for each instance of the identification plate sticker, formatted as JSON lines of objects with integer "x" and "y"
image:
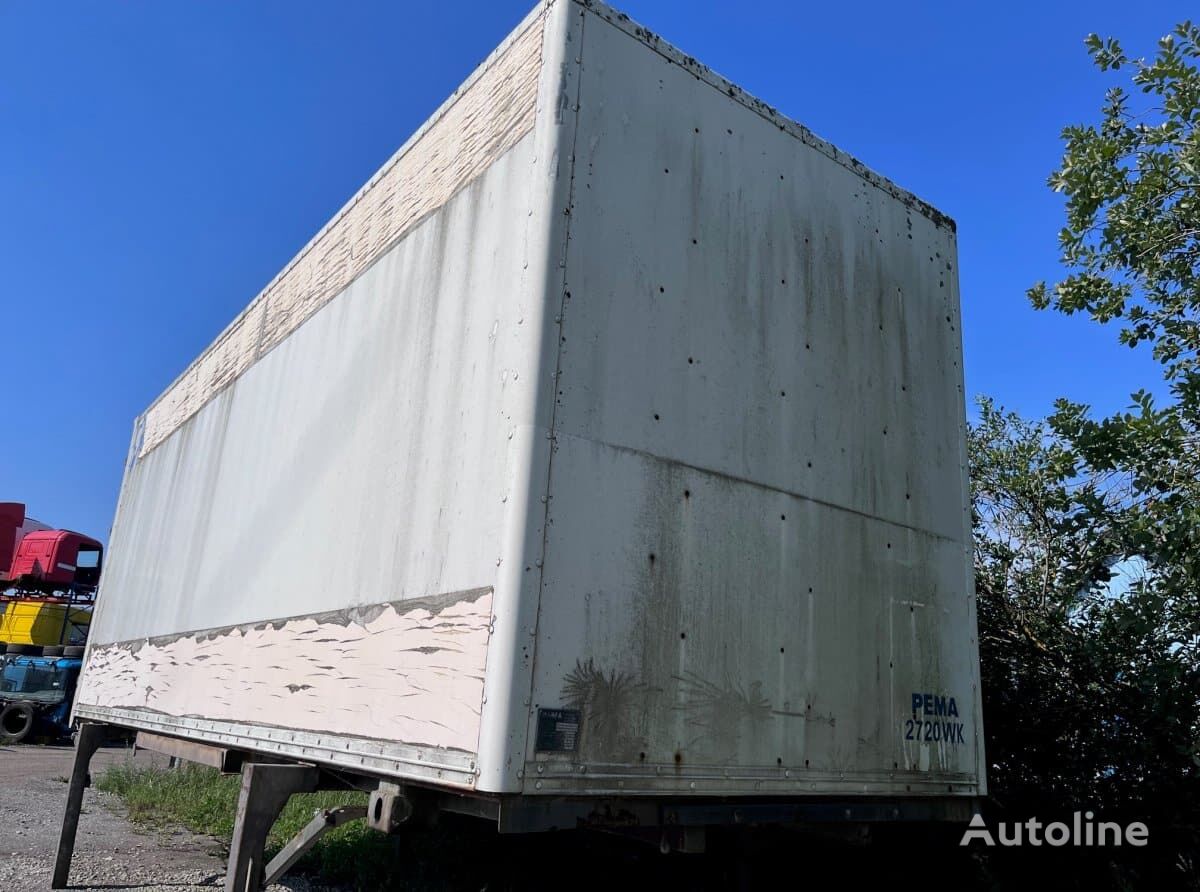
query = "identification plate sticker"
{"x": 558, "y": 730}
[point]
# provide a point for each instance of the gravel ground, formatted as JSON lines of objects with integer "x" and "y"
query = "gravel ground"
{"x": 110, "y": 851}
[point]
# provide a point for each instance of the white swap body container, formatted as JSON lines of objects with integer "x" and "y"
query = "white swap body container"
{"x": 609, "y": 441}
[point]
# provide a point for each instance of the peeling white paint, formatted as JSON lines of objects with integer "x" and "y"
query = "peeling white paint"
{"x": 403, "y": 672}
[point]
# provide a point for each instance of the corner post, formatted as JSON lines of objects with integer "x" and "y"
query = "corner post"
{"x": 87, "y": 742}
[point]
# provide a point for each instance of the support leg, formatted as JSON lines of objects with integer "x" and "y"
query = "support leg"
{"x": 323, "y": 821}
{"x": 266, "y": 789}
{"x": 87, "y": 741}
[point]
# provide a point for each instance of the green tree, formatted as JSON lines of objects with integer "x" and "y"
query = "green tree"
{"x": 1087, "y": 531}
{"x": 1089, "y": 702}
{"x": 1132, "y": 249}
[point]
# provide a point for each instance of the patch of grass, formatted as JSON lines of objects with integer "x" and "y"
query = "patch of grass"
{"x": 204, "y": 801}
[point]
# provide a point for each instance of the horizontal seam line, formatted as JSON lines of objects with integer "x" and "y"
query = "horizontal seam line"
{"x": 759, "y": 485}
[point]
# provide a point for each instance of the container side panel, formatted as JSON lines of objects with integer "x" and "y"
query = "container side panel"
{"x": 366, "y": 460}
{"x": 483, "y": 120}
{"x": 410, "y": 671}
{"x": 362, "y": 461}
{"x": 755, "y": 542}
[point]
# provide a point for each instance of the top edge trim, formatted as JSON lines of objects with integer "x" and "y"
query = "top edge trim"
{"x": 676, "y": 56}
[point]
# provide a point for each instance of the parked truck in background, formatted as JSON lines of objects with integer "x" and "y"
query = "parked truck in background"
{"x": 37, "y": 685}
{"x": 35, "y": 558}
{"x": 48, "y": 581}
{"x": 600, "y": 464}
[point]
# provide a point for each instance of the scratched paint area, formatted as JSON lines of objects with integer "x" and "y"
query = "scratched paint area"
{"x": 408, "y": 672}
{"x": 485, "y": 118}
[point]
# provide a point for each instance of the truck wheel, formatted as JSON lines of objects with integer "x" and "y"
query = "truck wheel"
{"x": 26, "y": 650}
{"x": 52, "y": 650}
{"x": 73, "y": 652}
{"x": 16, "y": 721}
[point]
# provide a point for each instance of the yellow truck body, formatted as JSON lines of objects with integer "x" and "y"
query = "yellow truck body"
{"x": 42, "y": 622}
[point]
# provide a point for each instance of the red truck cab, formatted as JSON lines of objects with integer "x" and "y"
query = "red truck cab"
{"x": 57, "y": 559}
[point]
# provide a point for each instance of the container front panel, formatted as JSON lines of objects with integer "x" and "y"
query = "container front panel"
{"x": 757, "y": 558}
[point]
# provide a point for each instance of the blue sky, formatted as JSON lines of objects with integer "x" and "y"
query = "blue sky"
{"x": 160, "y": 162}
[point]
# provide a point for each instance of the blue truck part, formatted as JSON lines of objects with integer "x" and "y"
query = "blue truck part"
{"x": 35, "y": 696}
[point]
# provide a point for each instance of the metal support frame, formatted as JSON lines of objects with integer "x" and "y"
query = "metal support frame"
{"x": 323, "y": 820}
{"x": 531, "y": 815}
{"x": 225, "y": 760}
{"x": 87, "y": 741}
{"x": 265, "y": 791}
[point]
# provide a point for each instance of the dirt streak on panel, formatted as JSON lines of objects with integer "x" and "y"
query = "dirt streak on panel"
{"x": 405, "y": 672}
